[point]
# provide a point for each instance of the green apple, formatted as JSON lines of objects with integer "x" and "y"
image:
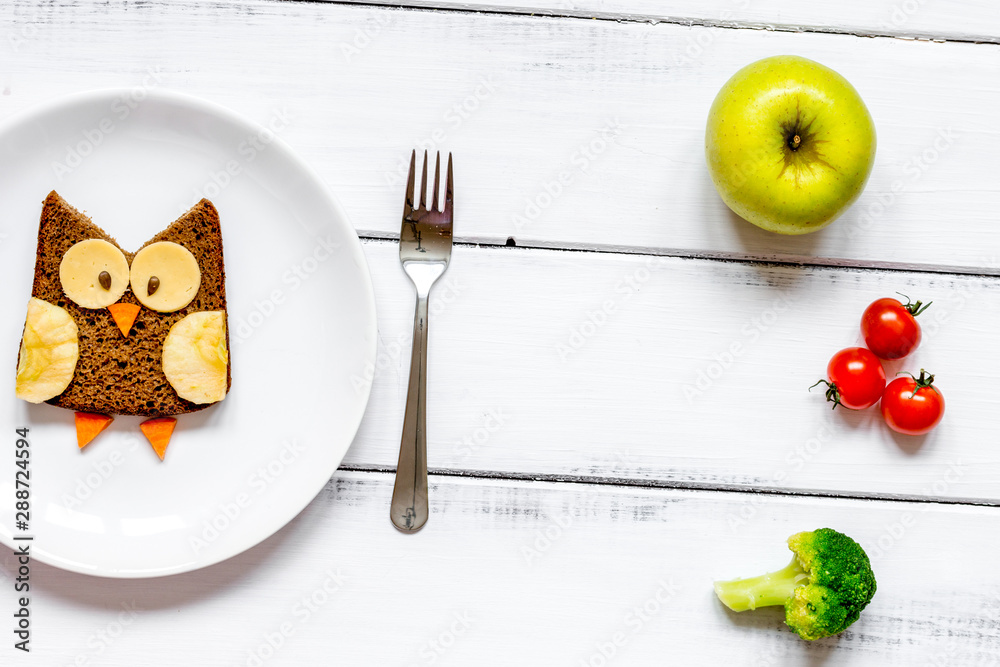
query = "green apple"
{"x": 790, "y": 144}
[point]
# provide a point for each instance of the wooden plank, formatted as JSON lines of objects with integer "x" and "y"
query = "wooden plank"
{"x": 676, "y": 371}
{"x": 919, "y": 19}
{"x": 616, "y": 109}
{"x": 570, "y": 571}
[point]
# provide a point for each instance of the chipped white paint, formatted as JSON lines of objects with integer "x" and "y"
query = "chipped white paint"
{"x": 512, "y": 572}
{"x": 914, "y": 19}
{"x": 576, "y": 134}
{"x": 567, "y": 132}
{"x": 667, "y": 370}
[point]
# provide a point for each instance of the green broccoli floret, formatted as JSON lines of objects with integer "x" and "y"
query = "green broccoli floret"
{"x": 823, "y": 589}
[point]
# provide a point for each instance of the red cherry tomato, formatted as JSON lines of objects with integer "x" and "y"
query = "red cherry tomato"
{"x": 912, "y": 406}
{"x": 890, "y": 328}
{"x": 856, "y": 379}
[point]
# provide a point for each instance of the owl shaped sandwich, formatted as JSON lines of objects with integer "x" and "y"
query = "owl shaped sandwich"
{"x": 111, "y": 332}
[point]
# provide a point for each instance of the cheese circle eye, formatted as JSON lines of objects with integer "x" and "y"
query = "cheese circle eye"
{"x": 94, "y": 274}
{"x": 165, "y": 276}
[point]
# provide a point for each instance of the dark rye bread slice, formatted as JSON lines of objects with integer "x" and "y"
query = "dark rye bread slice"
{"x": 117, "y": 375}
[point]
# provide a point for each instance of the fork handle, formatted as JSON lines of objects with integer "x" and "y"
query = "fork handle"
{"x": 409, "y": 496}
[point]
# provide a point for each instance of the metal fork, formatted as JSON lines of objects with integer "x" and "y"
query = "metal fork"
{"x": 424, "y": 250}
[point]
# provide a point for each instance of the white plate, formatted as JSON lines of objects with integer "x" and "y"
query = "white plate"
{"x": 301, "y": 317}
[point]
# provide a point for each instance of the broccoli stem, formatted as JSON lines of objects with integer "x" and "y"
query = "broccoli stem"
{"x": 767, "y": 590}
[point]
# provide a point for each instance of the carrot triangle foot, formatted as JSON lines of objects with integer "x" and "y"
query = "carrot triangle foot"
{"x": 158, "y": 432}
{"x": 89, "y": 426}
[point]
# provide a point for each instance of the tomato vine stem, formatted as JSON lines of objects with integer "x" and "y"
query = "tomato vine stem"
{"x": 832, "y": 393}
{"x": 925, "y": 380}
{"x": 914, "y": 308}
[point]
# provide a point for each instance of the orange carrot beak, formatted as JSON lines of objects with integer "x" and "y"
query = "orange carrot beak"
{"x": 124, "y": 315}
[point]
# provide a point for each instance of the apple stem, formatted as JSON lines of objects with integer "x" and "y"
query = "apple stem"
{"x": 796, "y": 141}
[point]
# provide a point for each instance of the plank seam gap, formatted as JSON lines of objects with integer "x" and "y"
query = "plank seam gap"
{"x": 725, "y": 258}
{"x": 681, "y": 486}
{"x": 654, "y": 20}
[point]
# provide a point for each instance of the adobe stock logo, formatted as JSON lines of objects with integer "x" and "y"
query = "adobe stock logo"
{"x": 91, "y": 138}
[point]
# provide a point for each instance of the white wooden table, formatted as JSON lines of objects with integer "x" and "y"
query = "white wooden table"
{"x": 598, "y": 455}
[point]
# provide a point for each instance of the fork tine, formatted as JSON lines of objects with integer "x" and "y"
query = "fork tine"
{"x": 423, "y": 184}
{"x": 449, "y": 194}
{"x": 410, "y": 183}
{"x": 437, "y": 182}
